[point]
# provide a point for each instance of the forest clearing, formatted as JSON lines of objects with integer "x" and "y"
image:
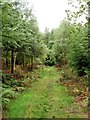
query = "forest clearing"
{"x": 44, "y": 74}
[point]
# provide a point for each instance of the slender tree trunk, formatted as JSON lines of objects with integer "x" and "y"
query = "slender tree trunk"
{"x": 29, "y": 67}
{"x": 0, "y": 59}
{"x": 31, "y": 63}
{"x": 12, "y": 61}
{"x": 15, "y": 54}
{"x": 89, "y": 34}
{"x": 23, "y": 60}
{"x": 7, "y": 61}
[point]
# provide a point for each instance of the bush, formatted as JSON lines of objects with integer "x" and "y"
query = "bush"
{"x": 79, "y": 61}
{"x": 10, "y": 81}
{"x": 6, "y": 78}
{"x": 8, "y": 93}
{"x": 5, "y": 102}
{"x": 50, "y": 60}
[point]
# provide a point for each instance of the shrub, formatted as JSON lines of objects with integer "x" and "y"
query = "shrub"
{"x": 8, "y": 93}
{"x": 79, "y": 61}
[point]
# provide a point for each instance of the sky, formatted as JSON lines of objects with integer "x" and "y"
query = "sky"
{"x": 49, "y": 13}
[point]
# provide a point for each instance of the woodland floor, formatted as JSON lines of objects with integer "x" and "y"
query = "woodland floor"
{"x": 46, "y": 99}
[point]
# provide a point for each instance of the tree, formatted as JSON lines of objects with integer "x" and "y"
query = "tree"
{"x": 78, "y": 41}
{"x": 10, "y": 21}
{"x": 19, "y": 33}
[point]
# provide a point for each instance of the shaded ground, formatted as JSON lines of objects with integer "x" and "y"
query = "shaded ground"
{"x": 46, "y": 99}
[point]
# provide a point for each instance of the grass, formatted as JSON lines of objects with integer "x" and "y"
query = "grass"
{"x": 46, "y": 99}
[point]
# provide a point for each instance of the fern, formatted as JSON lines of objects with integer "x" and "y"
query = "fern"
{"x": 8, "y": 93}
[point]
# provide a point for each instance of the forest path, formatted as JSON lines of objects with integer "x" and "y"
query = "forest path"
{"x": 45, "y": 99}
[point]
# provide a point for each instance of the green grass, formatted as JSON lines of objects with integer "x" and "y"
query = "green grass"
{"x": 45, "y": 99}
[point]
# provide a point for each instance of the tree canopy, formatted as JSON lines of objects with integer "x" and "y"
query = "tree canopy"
{"x": 67, "y": 44}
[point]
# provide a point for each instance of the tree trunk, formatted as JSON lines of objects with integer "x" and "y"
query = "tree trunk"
{"x": 12, "y": 61}
{"x": 31, "y": 63}
{"x": 7, "y": 61}
{"x": 15, "y": 54}
{"x": 0, "y": 59}
{"x": 89, "y": 35}
{"x": 23, "y": 60}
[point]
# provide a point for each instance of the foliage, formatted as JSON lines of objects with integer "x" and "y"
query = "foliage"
{"x": 7, "y": 94}
{"x": 16, "y": 23}
{"x": 23, "y": 42}
{"x": 78, "y": 57}
{"x": 77, "y": 86}
{"x": 24, "y": 45}
{"x": 10, "y": 81}
{"x": 50, "y": 59}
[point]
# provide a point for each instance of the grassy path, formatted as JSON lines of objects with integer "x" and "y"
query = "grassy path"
{"x": 46, "y": 99}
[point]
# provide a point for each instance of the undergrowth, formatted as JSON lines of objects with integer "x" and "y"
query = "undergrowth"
{"x": 14, "y": 84}
{"x": 77, "y": 86}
